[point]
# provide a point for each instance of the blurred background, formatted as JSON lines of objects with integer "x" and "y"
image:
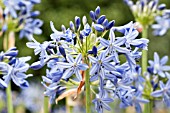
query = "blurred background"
{"x": 62, "y": 12}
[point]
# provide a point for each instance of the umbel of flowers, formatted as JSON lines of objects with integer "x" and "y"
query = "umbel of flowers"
{"x": 17, "y": 16}
{"x": 146, "y": 12}
{"x": 86, "y": 57}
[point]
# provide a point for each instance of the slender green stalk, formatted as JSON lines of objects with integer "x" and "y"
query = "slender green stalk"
{"x": 148, "y": 108}
{"x": 8, "y": 89}
{"x": 87, "y": 83}
{"x": 9, "y": 99}
{"x": 69, "y": 108}
{"x": 144, "y": 52}
{"x": 46, "y": 110}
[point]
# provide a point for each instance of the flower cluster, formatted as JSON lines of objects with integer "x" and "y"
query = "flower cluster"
{"x": 93, "y": 50}
{"x": 13, "y": 68}
{"x": 146, "y": 12}
{"x": 17, "y": 15}
{"x": 160, "y": 75}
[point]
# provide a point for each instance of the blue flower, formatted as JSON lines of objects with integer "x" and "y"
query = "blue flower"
{"x": 100, "y": 64}
{"x": 72, "y": 66}
{"x": 22, "y": 16}
{"x": 163, "y": 92}
{"x": 113, "y": 45}
{"x": 32, "y": 26}
{"x": 16, "y": 72}
{"x": 86, "y": 31}
{"x": 130, "y": 34}
{"x": 39, "y": 48}
{"x": 67, "y": 35}
{"x": 158, "y": 65}
{"x": 52, "y": 90}
{"x": 11, "y": 7}
{"x": 101, "y": 102}
{"x": 54, "y": 75}
{"x": 57, "y": 34}
{"x": 162, "y": 26}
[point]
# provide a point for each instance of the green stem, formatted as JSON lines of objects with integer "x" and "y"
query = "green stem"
{"x": 46, "y": 110}
{"x": 87, "y": 83}
{"x": 8, "y": 89}
{"x": 69, "y": 109}
{"x": 9, "y": 98}
{"x": 144, "y": 52}
{"x": 148, "y": 108}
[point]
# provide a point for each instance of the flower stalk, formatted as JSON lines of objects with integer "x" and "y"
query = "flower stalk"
{"x": 46, "y": 110}
{"x": 9, "y": 99}
{"x": 147, "y": 107}
{"x": 144, "y": 52}
{"x": 87, "y": 85}
{"x": 8, "y": 89}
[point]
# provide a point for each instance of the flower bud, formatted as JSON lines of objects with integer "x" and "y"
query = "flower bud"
{"x": 97, "y": 11}
{"x": 84, "y": 20}
{"x": 72, "y": 26}
{"x": 110, "y": 25}
{"x": 63, "y": 28}
{"x": 105, "y": 22}
{"x": 36, "y": 65}
{"x": 62, "y": 51}
{"x": 35, "y": 13}
{"x": 161, "y": 7}
{"x": 92, "y": 15}
{"x": 101, "y": 19}
{"x": 77, "y": 22}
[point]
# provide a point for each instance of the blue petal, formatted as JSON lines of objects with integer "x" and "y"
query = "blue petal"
{"x": 36, "y": 65}
{"x": 158, "y": 93}
{"x": 93, "y": 59}
{"x": 122, "y": 50}
{"x": 64, "y": 65}
{"x": 108, "y": 66}
{"x": 104, "y": 42}
{"x": 164, "y": 60}
{"x": 156, "y": 58}
{"x": 165, "y": 68}
{"x": 67, "y": 73}
{"x": 112, "y": 36}
{"x": 94, "y": 69}
{"x": 82, "y": 66}
{"x": 78, "y": 74}
{"x": 70, "y": 59}
{"x": 78, "y": 58}
{"x": 3, "y": 83}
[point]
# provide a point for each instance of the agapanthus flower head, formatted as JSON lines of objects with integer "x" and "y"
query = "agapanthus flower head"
{"x": 19, "y": 14}
{"x": 76, "y": 53}
{"x": 145, "y": 11}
